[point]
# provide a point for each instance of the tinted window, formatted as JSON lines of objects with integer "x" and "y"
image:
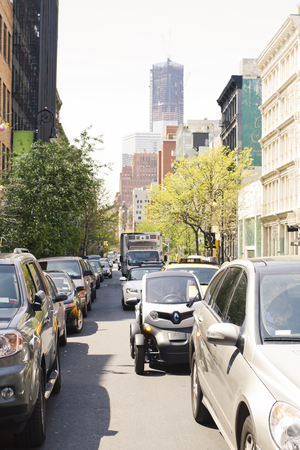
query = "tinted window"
{"x": 226, "y": 288}
{"x": 30, "y": 286}
{"x": 237, "y": 308}
{"x": 212, "y": 287}
{"x": 51, "y": 288}
{"x": 36, "y": 277}
{"x": 69, "y": 266}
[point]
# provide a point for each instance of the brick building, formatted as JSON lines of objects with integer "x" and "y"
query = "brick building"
{"x": 141, "y": 173}
{"x": 167, "y": 155}
{"x": 6, "y": 10}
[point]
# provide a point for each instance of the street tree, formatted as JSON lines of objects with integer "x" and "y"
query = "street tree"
{"x": 46, "y": 193}
{"x": 187, "y": 196}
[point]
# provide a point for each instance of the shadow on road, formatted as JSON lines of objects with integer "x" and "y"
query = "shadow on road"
{"x": 79, "y": 416}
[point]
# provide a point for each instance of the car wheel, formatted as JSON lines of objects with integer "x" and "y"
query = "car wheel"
{"x": 102, "y": 279}
{"x": 78, "y": 327}
{"x": 34, "y": 432}
{"x": 85, "y": 309}
{"x": 200, "y": 413}
{"x": 124, "y": 306}
{"x": 56, "y": 366}
{"x": 248, "y": 440}
{"x": 63, "y": 339}
{"x": 134, "y": 329}
{"x": 110, "y": 276}
{"x": 139, "y": 361}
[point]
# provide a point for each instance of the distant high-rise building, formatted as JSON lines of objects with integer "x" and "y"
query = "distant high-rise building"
{"x": 140, "y": 142}
{"x": 166, "y": 93}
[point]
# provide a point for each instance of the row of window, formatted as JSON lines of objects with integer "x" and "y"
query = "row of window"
{"x": 5, "y": 42}
{"x": 280, "y": 151}
{"x": 281, "y": 72}
{"x": 5, "y": 158}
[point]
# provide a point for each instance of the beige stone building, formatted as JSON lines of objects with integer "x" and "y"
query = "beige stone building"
{"x": 280, "y": 70}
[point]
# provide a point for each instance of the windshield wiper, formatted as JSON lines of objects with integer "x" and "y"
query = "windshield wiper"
{"x": 282, "y": 338}
{"x": 191, "y": 302}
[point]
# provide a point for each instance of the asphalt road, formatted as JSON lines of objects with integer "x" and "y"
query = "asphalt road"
{"x": 104, "y": 404}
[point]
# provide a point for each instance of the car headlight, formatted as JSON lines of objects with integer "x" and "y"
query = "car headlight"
{"x": 10, "y": 343}
{"x": 70, "y": 305}
{"x": 131, "y": 291}
{"x": 285, "y": 426}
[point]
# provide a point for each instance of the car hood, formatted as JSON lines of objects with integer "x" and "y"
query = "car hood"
{"x": 134, "y": 284}
{"x": 278, "y": 366}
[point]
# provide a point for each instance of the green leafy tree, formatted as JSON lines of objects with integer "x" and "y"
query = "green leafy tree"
{"x": 46, "y": 194}
{"x": 187, "y": 196}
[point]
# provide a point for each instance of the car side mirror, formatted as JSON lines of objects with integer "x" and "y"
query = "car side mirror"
{"x": 39, "y": 300}
{"x": 60, "y": 298}
{"x": 87, "y": 273}
{"x": 123, "y": 279}
{"x": 223, "y": 334}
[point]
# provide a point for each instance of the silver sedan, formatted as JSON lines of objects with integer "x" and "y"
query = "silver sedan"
{"x": 245, "y": 354}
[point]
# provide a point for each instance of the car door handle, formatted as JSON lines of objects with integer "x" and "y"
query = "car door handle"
{"x": 199, "y": 319}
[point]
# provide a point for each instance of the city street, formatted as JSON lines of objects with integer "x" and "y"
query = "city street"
{"x": 104, "y": 404}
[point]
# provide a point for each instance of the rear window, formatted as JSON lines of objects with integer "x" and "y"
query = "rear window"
{"x": 9, "y": 291}
{"x": 62, "y": 283}
{"x": 70, "y": 266}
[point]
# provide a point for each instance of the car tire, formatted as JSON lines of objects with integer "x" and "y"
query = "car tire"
{"x": 102, "y": 279}
{"x": 200, "y": 413}
{"x": 110, "y": 276}
{"x": 56, "y": 366}
{"x": 63, "y": 339}
{"x": 85, "y": 309}
{"x": 79, "y": 325}
{"x": 139, "y": 360}
{"x": 248, "y": 439}
{"x": 124, "y": 306}
{"x": 134, "y": 329}
{"x": 34, "y": 433}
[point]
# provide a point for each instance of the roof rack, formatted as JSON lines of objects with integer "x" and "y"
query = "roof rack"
{"x": 21, "y": 250}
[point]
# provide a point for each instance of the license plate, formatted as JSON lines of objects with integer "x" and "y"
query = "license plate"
{"x": 177, "y": 336}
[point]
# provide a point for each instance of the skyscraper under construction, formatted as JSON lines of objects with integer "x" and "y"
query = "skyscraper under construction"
{"x": 166, "y": 93}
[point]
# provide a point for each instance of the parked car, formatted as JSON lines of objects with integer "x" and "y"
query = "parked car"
{"x": 29, "y": 348}
{"x": 97, "y": 275}
{"x": 244, "y": 353}
{"x": 107, "y": 269}
{"x": 104, "y": 260}
{"x": 132, "y": 285}
{"x": 75, "y": 267}
{"x": 164, "y": 319}
{"x": 97, "y": 264}
{"x": 65, "y": 285}
{"x": 93, "y": 278}
{"x": 60, "y": 311}
{"x": 197, "y": 265}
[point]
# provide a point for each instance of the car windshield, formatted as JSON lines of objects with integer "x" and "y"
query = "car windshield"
{"x": 280, "y": 306}
{"x": 70, "y": 266}
{"x": 204, "y": 274}
{"x": 137, "y": 274}
{"x": 140, "y": 256}
{"x": 172, "y": 289}
{"x": 9, "y": 291}
{"x": 62, "y": 283}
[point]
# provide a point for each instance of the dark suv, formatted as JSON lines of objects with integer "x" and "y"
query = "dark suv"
{"x": 29, "y": 351}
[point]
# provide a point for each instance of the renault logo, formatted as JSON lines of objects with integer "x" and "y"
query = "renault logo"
{"x": 176, "y": 317}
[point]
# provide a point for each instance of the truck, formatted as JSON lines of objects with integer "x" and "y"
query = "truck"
{"x": 137, "y": 248}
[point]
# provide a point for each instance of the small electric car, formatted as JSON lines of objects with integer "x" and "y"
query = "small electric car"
{"x": 164, "y": 319}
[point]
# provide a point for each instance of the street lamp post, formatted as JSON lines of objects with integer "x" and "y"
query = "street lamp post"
{"x": 216, "y": 194}
{"x": 46, "y": 116}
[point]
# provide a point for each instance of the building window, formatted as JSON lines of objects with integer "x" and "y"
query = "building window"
{"x": 4, "y": 42}
{"x": 8, "y": 107}
{"x": 3, "y": 100}
{"x": 8, "y": 48}
{"x": 0, "y": 34}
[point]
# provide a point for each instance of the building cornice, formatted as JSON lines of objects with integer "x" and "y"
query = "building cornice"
{"x": 277, "y": 172}
{"x": 283, "y": 34}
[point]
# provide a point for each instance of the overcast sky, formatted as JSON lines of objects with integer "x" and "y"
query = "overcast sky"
{"x": 106, "y": 50}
